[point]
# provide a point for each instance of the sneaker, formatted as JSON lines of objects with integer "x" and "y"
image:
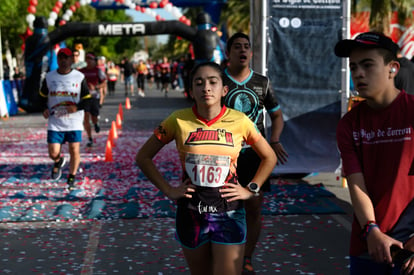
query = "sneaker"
{"x": 57, "y": 168}
{"x": 97, "y": 128}
{"x": 247, "y": 267}
{"x": 71, "y": 183}
{"x": 90, "y": 143}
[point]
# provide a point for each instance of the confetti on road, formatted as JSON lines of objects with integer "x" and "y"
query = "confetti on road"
{"x": 112, "y": 190}
{"x": 136, "y": 235}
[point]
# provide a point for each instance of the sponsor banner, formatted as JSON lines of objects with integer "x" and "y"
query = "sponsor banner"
{"x": 306, "y": 77}
{"x": 121, "y": 29}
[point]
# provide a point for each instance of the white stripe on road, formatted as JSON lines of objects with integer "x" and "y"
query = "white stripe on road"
{"x": 87, "y": 267}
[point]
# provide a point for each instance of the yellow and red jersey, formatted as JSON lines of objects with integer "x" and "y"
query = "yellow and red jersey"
{"x": 208, "y": 151}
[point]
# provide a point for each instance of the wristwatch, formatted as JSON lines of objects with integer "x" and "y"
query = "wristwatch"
{"x": 254, "y": 188}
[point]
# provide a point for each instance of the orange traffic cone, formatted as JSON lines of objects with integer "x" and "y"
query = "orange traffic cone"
{"x": 127, "y": 104}
{"x": 113, "y": 132}
{"x": 118, "y": 121}
{"x": 108, "y": 151}
{"x": 121, "y": 113}
{"x": 111, "y": 138}
{"x": 112, "y": 135}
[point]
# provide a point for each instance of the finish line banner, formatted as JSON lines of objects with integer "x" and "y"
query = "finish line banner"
{"x": 306, "y": 77}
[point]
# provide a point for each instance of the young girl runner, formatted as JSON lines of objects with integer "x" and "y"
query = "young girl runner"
{"x": 210, "y": 217}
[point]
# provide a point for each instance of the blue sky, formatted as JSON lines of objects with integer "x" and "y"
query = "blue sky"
{"x": 142, "y": 17}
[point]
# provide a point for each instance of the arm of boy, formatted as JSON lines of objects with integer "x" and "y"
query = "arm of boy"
{"x": 408, "y": 266}
{"x": 277, "y": 127}
{"x": 378, "y": 242}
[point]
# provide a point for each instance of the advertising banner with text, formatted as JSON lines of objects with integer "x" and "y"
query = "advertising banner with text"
{"x": 306, "y": 77}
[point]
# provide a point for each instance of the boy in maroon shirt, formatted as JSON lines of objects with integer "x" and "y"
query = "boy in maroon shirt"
{"x": 376, "y": 142}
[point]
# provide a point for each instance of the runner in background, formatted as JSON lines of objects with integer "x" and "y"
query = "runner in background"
{"x": 151, "y": 73}
{"x": 251, "y": 93}
{"x": 157, "y": 74}
{"x": 64, "y": 94}
{"x": 96, "y": 80}
{"x": 112, "y": 76}
{"x": 128, "y": 72}
{"x": 101, "y": 64}
{"x": 142, "y": 72}
{"x": 78, "y": 62}
{"x": 165, "y": 67}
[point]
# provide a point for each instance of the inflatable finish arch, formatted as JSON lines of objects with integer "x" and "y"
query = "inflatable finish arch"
{"x": 204, "y": 40}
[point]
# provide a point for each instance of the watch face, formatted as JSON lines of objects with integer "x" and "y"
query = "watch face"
{"x": 253, "y": 187}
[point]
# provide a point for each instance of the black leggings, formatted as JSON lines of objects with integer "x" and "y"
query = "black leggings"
{"x": 141, "y": 81}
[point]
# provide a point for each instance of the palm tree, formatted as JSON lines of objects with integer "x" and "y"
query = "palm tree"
{"x": 380, "y": 17}
{"x": 381, "y": 11}
{"x": 236, "y": 16}
{"x": 404, "y": 8}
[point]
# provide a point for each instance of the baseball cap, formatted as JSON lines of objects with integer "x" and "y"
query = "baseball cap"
{"x": 65, "y": 51}
{"x": 368, "y": 40}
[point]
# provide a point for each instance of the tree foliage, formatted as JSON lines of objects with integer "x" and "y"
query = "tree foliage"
{"x": 176, "y": 47}
{"x": 112, "y": 47}
{"x": 235, "y": 16}
{"x": 380, "y": 16}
